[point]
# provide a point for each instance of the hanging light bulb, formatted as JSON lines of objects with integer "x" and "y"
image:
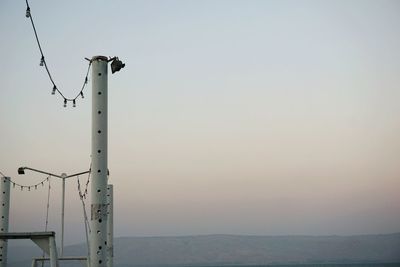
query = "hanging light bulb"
{"x": 73, "y": 103}
{"x": 65, "y": 102}
{"x": 22, "y": 188}
{"x": 28, "y": 12}
{"x": 86, "y": 80}
{"x": 82, "y": 94}
{"x": 13, "y": 185}
{"x": 54, "y": 90}
{"x": 42, "y": 184}
{"x": 29, "y": 188}
{"x": 35, "y": 187}
{"x": 41, "y": 61}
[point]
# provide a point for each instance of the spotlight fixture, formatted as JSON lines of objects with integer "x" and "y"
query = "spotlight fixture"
{"x": 116, "y": 65}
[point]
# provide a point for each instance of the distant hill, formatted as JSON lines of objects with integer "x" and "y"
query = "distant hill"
{"x": 240, "y": 250}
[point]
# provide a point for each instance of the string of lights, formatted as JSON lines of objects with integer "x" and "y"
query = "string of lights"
{"x": 22, "y": 186}
{"x": 43, "y": 62}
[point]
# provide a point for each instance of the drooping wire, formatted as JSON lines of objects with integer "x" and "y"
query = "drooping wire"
{"x": 82, "y": 197}
{"x": 47, "y": 206}
{"x": 47, "y": 213}
{"x": 28, "y": 186}
{"x": 43, "y": 62}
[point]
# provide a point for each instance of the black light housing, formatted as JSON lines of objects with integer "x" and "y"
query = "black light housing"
{"x": 116, "y": 65}
{"x": 21, "y": 170}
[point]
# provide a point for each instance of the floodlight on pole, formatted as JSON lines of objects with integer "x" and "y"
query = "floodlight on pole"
{"x": 116, "y": 65}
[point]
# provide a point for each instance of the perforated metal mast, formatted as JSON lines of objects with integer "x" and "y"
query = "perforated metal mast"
{"x": 4, "y": 213}
{"x": 98, "y": 218}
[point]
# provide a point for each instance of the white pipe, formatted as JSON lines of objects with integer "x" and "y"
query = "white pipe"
{"x": 110, "y": 227}
{"x": 63, "y": 176}
{"x": 4, "y": 213}
{"x": 53, "y": 252}
{"x": 98, "y": 218}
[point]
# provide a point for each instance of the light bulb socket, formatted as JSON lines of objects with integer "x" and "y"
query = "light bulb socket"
{"x": 65, "y": 103}
{"x": 28, "y": 12}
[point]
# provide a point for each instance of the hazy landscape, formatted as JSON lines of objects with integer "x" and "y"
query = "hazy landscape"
{"x": 240, "y": 133}
{"x": 219, "y": 250}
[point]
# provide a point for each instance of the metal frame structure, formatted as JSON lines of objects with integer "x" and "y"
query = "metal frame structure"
{"x": 100, "y": 252}
{"x": 63, "y": 176}
{"x": 45, "y": 240}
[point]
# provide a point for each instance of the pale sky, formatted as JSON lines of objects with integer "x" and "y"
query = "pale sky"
{"x": 230, "y": 117}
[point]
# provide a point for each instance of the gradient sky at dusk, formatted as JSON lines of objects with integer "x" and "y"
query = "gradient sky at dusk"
{"x": 233, "y": 117}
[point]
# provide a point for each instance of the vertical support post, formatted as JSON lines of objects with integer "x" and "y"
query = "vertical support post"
{"x": 110, "y": 226}
{"x": 98, "y": 218}
{"x": 63, "y": 176}
{"x": 53, "y": 252}
{"x": 4, "y": 213}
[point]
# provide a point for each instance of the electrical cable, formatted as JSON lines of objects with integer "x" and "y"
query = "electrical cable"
{"x": 22, "y": 186}
{"x": 43, "y": 62}
{"x": 82, "y": 197}
{"x": 47, "y": 213}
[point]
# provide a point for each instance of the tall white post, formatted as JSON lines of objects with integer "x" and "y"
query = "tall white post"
{"x": 110, "y": 227}
{"x": 63, "y": 176}
{"x": 4, "y": 212}
{"x": 98, "y": 218}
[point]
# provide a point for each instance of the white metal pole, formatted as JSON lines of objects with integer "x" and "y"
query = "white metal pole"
{"x": 110, "y": 227}
{"x": 63, "y": 175}
{"x": 98, "y": 218}
{"x": 4, "y": 213}
{"x": 53, "y": 252}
